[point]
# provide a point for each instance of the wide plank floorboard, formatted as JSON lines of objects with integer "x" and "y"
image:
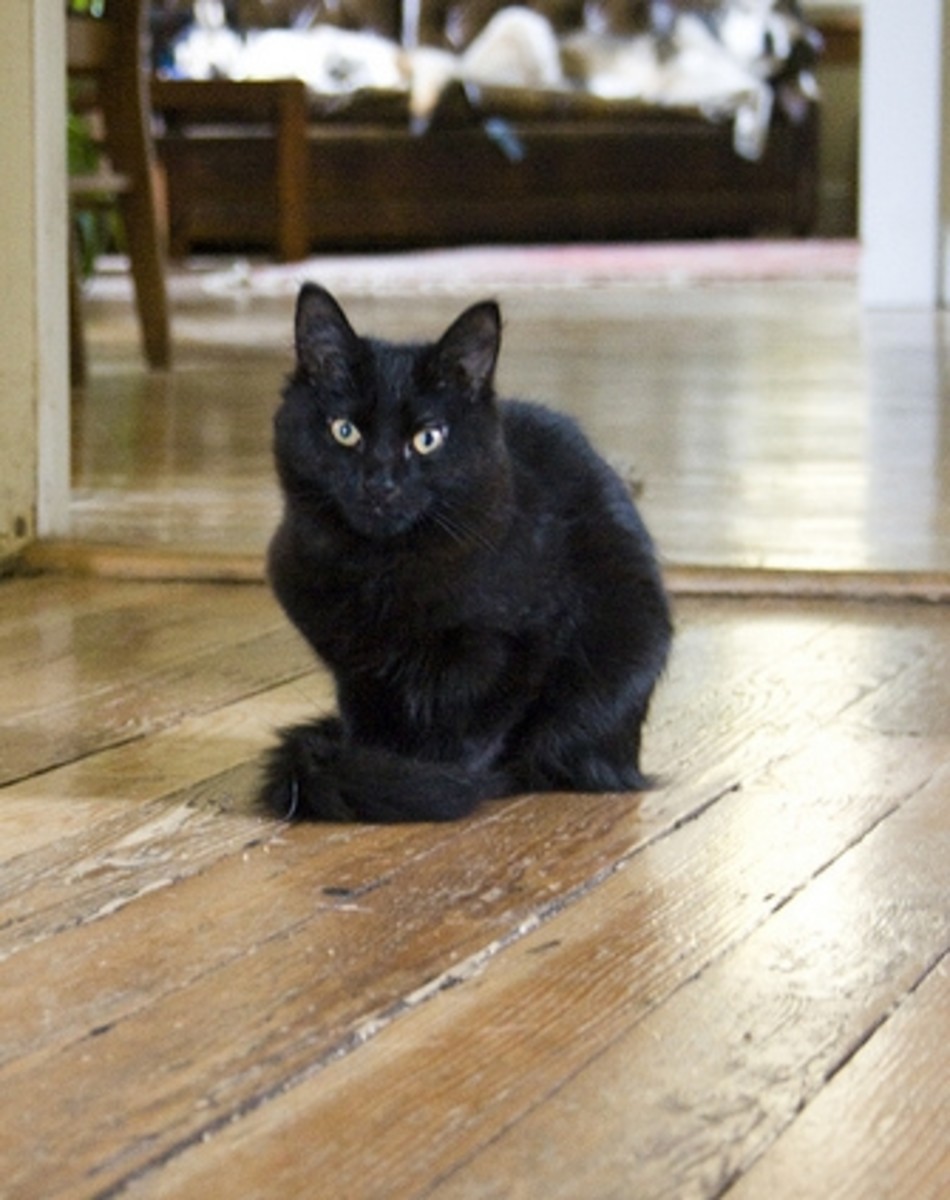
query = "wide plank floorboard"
{"x": 82, "y": 681}
{"x": 880, "y": 1122}
{"x": 559, "y": 995}
{"x": 604, "y": 1055}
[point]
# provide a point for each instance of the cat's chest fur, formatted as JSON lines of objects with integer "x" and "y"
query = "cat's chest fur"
{"x": 364, "y": 604}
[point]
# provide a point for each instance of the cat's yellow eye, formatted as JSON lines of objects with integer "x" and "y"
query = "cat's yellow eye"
{"x": 428, "y": 440}
{"x": 346, "y": 433}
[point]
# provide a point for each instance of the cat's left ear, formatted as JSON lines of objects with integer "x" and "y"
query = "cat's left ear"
{"x": 466, "y": 354}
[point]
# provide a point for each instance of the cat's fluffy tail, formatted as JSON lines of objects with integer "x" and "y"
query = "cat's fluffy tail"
{"x": 314, "y": 773}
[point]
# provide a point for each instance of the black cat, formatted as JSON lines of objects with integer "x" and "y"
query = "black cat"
{"x": 474, "y": 575}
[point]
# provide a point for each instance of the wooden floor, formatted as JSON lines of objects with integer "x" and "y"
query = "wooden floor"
{"x": 769, "y": 425}
{"x": 736, "y": 984}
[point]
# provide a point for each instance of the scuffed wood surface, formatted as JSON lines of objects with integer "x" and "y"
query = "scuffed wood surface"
{"x": 560, "y": 996}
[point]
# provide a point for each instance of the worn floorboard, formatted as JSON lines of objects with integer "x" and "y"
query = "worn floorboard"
{"x": 194, "y": 997}
{"x": 880, "y": 1121}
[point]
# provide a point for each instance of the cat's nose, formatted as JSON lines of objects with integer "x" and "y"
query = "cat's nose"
{"x": 380, "y": 489}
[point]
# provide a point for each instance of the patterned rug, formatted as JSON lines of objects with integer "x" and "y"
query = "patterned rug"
{"x": 667, "y": 264}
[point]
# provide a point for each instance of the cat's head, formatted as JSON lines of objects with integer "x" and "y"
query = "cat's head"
{"x": 386, "y": 437}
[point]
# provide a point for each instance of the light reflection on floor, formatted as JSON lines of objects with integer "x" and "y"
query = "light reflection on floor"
{"x": 770, "y": 424}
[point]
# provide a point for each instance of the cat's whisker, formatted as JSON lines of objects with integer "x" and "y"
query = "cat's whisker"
{"x": 294, "y": 805}
{"x": 447, "y": 526}
{"x": 461, "y": 531}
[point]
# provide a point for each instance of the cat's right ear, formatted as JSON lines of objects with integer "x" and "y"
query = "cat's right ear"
{"x": 325, "y": 341}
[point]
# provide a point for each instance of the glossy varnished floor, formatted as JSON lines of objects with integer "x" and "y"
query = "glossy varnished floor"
{"x": 769, "y": 424}
{"x": 736, "y": 984}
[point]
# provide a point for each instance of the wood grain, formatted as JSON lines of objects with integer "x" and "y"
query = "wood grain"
{"x": 731, "y": 1059}
{"x": 881, "y": 1125}
{"x": 500, "y": 1055}
{"x": 188, "y": 991}
{"x": 80, "y": 682}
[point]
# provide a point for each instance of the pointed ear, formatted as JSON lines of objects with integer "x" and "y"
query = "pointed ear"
{"x": 326, "y": 344}
{"x": 466, "y": 354}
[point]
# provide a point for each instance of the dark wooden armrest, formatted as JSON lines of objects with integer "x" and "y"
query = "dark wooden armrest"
{"x": 223, "y": 100}
{"x": 280, "y": 102}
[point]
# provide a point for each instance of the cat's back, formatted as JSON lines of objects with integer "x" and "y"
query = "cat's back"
{"x": 591, "y": 547}
{"x": 537, "y": 435}
{"x": 557, "y": 462}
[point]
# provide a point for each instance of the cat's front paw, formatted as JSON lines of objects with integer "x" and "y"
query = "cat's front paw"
{"x": 299, "y": 781}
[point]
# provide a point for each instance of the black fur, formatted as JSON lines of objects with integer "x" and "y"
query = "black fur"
{"x": 492, "y": 610}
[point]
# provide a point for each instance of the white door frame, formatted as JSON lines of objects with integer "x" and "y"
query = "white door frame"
{"x": 904, "y": 154}
{"x": 34, "y": 372}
